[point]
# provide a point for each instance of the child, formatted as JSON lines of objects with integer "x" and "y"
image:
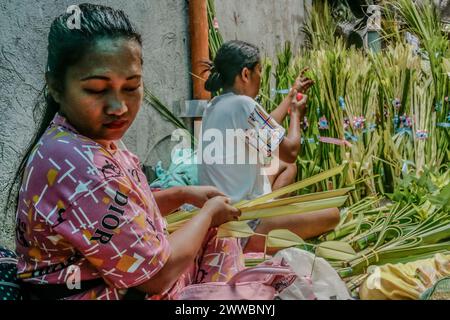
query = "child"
{"x": 237, "y": 71}
{"x": 88, "y": 226}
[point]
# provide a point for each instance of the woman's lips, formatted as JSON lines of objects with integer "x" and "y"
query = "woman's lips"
{"x": 118, "y": 124}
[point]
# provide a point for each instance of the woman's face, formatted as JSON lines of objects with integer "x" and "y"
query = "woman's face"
{"x": 103, "y": 91}
{"x": 255, "y": 81}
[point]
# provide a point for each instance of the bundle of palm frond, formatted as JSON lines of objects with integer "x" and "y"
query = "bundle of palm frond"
{"x": 162, "y": 109}
{"x": 320, "y": 27}
{"x": 397, "y": 71}
{"x": 266, "y": 205}
{"x": 330, "y": 71}
{"x": 385, "y": 235}
{"x": 414, "y": 226}
{"x": 423, "y": 19}
{"x": 265, "y": 93}
{"x": 359, "y": 108}
{"x": 215, "y": 39}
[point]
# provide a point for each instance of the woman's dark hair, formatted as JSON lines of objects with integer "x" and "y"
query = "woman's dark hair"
{"x": 231, "y": 58}
{"x": 66, "y": 47}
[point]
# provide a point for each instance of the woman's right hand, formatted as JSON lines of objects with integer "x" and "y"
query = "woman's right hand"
{"x": 298, "y": 107}
{"x": 220, "y": 211}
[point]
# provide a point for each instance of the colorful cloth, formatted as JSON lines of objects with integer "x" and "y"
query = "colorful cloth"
{"x": 87, "y": 212}
{"x": 218, "y": 261}
{"x": 264, "y": 133}
{"x": 9, "y": 286}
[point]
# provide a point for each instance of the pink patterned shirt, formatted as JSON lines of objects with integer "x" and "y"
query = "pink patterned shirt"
{"x": 83, "y": 205}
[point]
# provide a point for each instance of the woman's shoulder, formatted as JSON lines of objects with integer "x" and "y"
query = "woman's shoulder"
{"x": 65, "y": 152}
{"x": 243, "y": 99}
{"x": 235, "y": 103}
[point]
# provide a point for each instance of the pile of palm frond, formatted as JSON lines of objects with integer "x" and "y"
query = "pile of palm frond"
{"x": 269, "y": 206}
{"x": 414, "y": 224}
{"x": 385, "y": 113}
{"x": 215, "y": 39}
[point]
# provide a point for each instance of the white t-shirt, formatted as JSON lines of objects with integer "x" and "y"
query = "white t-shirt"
{"x": 233, "y": 160}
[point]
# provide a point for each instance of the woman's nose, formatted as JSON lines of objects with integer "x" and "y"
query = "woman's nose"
{"x": 116, "y": 106}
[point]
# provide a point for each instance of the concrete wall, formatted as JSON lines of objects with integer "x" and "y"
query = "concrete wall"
{"x": 24, "y": 28}
{"x": 445, "y": 10}
{"x": 265, "y": 23}
{"x": 164, "y": 25}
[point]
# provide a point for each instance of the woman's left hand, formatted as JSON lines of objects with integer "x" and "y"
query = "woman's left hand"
{"x": 198, "y": 195}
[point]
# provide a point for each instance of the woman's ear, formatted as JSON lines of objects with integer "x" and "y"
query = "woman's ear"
{"x": 245, "y": 74}
{"x": 52, "y": 87}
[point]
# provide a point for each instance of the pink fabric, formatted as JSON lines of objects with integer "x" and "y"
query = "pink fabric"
{"x": 218, "y": 261}
{"x": 83, "y": 205}
{"x": 262, "y": 282}
{"x": 335, "y": 141}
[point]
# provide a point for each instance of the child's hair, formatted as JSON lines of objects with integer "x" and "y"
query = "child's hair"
{"x": 231, "y": 58}
{"x": 66, "y": 47}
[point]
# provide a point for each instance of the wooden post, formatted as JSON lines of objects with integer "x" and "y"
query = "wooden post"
{"x": 198, "y": 28}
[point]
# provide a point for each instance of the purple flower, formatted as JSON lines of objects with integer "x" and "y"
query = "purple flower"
{"x": 215, "y": 23}
{"x": 408, "y": 122}
{"x": 346, "y": 122}
{"x": 358, "y": 122}
{"x": 305, "y": 123}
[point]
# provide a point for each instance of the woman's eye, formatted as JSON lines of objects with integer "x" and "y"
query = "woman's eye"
{"x": 132, "y": 89}
{"x": 92, "y": 91}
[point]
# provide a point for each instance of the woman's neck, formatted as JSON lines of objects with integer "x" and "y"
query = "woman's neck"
{"x": 108, "y": 145}
{"x": 235, "y": 90}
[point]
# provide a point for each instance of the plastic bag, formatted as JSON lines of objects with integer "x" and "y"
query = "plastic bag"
{"x": 316, "y": 279}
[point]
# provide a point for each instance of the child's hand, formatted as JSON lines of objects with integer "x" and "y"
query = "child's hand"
{"x": 198, "y": 195}
{"x": 221, "y": 211}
